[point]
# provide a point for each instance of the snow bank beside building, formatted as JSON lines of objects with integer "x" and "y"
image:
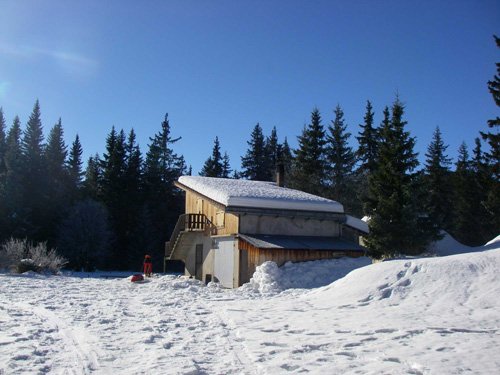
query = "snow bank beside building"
{"x": 269, "y": 279}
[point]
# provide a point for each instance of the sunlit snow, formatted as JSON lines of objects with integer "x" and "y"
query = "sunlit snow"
{"x": 412, "y": 316}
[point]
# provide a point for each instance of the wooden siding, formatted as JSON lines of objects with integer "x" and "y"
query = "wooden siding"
{"x": 255, "y": 257}
{"x": 196, "y": 203}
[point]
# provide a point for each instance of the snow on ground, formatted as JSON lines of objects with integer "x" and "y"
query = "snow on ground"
{"x": 418, "y": 316}
{"x": 450, "y": 246}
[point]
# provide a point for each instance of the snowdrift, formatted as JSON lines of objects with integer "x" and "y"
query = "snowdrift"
{"x": 270, "y": 279}
{"x": 419, "y": 316}
{"x": 439, "y": 284}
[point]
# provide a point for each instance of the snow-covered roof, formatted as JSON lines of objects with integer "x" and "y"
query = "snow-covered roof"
{"x": 274, "y": 242}
{"x": 258, "y": 194}
{"x": 356, "y": 223}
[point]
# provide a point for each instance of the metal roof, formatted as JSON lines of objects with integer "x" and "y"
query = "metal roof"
{"x": 265, "y": 241}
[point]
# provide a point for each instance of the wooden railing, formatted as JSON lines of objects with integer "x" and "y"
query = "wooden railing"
{"x": 189, "y": 223}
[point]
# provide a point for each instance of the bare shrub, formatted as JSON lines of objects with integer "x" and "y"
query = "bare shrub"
{"x": 11, "y": 253}
{"x": 46, "y": 259}
{"x": 21, "y": 256}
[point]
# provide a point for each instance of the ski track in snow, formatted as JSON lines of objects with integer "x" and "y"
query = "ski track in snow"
{"x": 83, "y": 326}
{"x": 420, "y": 316}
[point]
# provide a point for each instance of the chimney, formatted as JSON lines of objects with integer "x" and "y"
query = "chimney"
{"x": 280, "y": 174}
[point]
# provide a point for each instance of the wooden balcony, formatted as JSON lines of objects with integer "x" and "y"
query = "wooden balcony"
{"x": 188, "y": 223}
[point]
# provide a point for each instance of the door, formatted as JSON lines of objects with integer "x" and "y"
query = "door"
{"x": 198, "y": 264}
{"x": 224, "y": 261}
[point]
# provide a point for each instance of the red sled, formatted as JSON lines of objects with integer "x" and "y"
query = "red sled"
{"x": 137, "y": 277}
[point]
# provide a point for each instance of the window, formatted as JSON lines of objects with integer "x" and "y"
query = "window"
{"x": 219, "y": 219}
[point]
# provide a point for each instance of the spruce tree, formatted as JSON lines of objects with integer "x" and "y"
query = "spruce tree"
{"x": 368, "y": 141}
{"x": 285, "y": 158}
{"x": 3, "y": 177}
{"x": 113, "y": 184}
{"x": 74, "y": 168}
{"x": 3, "y": 148}
{"x": 92, "y": 181}
{"x": 438, "y": 192}
{"x": 340, "y": 159}
{"x": 493, "y": 137}
{"x": 482, "y": 181}
{"x": 466, "y": 228}
{"x": 367, "y": 155}
{"x": 309, "y": 167}
{"x": 213, "y": 166}
{"x": 272, "y": 149}
{"x": 492, "y": 203}
{"x": 226, "y": 166}
{"x": 254, "y": 163}
{"x": 113, "y": 166}
{"x": 133, "y": 214}
{"x": 55, "y": 155}
{"x": 395, "y": 221}
{"x": 13, "y": 182}
{"x": 34, "y": 178}
{"x": 164, "y": 201}
{"x": 58, "y": 180}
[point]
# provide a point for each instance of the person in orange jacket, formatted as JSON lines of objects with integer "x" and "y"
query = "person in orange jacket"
{"x": 148, "y": 266}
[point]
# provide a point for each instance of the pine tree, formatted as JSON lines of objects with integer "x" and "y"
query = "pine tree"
{"x": 254, "y": 163}
{"x": 309, "y": 167}
{"x": 493, "y": 138}
{"x": 272, "y": 149}
{"x": 3, "y": 180}
{"x": 285, "y": 158}
{"x": 93, "y": 175}
{"x": 340, "y": 159}
{"x": 74, "y": 167}
{"x": 368, "y": 141}
{"x": 113, "y": 184}
{"x": 135, "y": 239}
{"x": 3, "y": 148}
{"x": 395, "y": 221}
{"x": 492, "y": 203}
{"x": 34, "y": 178}
{"x": 482, "y": 181}
{"x": 163, "y": 166}
{"x": 58, "y": 181}
{"x": 467, "y": 228}
{"x": 164, "y": 201}
{"x": 226, "y": 166}
{"x": 437, "y": 183}
{"x": 213, "y": 166}
{"x": 113, "y": 166}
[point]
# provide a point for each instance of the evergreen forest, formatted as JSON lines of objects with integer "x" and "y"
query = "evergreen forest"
{"x": 110, "y": 210}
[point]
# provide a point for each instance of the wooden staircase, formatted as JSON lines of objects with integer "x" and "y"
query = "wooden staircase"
{"x": 185, "y": 224}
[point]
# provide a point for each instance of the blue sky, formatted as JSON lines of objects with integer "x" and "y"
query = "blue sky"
{"x": 219, "y": 67}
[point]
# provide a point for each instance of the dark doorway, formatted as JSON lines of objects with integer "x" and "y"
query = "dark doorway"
{"x": 174, "y": 266}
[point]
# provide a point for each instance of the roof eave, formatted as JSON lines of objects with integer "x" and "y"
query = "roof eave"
{"x": 318, "y": 215}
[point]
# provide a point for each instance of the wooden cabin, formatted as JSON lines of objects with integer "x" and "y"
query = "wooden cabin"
{"x": 232, "y": 226}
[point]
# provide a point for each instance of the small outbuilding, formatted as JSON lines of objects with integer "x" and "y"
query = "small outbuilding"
{"x": 232, "y": 226}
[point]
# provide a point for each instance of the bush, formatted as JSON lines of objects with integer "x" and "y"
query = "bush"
{"x": 22, "y": 256}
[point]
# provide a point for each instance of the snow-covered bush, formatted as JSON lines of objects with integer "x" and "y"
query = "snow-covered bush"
{"x": 22, "y": 256}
